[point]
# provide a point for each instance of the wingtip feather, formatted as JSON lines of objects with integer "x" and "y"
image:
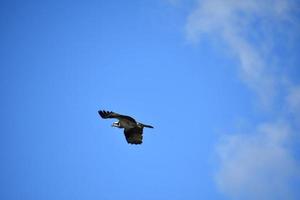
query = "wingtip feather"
{"x": 102, "y": 113}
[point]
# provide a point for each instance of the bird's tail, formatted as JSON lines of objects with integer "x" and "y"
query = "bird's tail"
{"x": 148, "y": 126}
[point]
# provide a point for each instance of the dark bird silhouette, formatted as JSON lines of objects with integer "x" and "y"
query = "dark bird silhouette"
{"x": 133, "y": 130}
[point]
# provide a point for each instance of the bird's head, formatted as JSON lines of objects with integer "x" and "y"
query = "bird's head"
{"x": 116, "y": 124}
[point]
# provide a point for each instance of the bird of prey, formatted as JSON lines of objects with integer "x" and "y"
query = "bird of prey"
{"x": 133, "y": 130}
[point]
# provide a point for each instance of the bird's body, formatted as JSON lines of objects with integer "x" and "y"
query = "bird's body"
{"x": 133, "y": 130}
{"x": 127, "y": 124}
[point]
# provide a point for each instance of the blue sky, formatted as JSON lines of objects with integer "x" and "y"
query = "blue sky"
{"x": 219, "y": 81}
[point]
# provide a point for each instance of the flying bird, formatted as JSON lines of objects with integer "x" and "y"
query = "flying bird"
{"x": 133, "y": 130}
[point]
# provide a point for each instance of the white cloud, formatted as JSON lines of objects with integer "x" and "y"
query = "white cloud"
{"x": 246, "y": 27}
{"x": 260, "y": 165}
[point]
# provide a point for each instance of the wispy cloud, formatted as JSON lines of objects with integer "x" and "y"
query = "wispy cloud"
{"x": 247, "y": 27}
{"x": 257, "y": 165}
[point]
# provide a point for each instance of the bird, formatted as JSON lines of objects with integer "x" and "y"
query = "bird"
{"x": 133, "y": 130}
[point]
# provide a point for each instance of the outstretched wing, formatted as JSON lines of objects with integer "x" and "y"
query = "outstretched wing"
{"x": 134, "y": 135}
{"x": 108, "y": 114}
